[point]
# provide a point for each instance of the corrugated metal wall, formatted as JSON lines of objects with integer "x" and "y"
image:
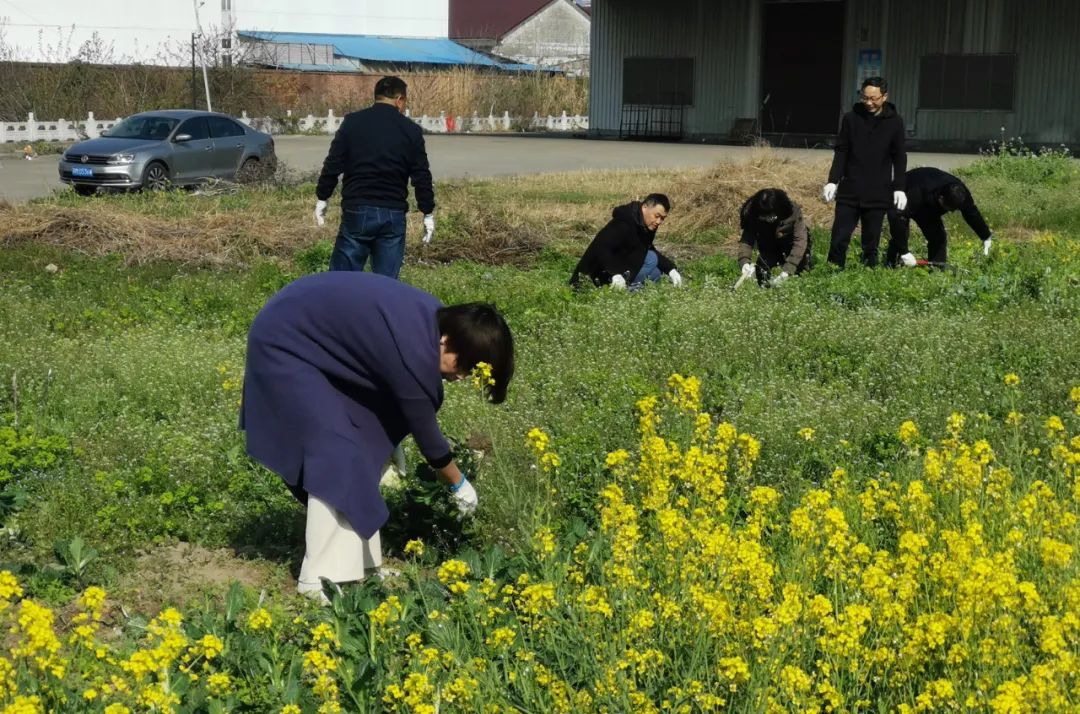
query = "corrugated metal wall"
{"x": 714, "y": 33}
{"x": 724, "y": 38}
{"x": 1047, "y": 99}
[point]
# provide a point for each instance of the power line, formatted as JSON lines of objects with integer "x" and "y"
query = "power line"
{"x": 19, "y": 9}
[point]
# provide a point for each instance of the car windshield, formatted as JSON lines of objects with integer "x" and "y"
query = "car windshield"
{"x": 151, "y": 128}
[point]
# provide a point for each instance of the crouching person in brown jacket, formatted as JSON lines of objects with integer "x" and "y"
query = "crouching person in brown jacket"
{"x": 775, "y": 226}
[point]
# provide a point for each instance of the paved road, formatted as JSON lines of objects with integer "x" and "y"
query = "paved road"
{"x": 480, "y": 156}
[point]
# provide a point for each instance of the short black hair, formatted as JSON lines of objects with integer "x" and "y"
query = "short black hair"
{"x": 878, "y": 82}
{"x": 657, "y": 199}
{"x": 476, "y": 332}
{"x": 955, "y": 196}
{"x": 770, "y": 202}
{"x": 391, "y": 88}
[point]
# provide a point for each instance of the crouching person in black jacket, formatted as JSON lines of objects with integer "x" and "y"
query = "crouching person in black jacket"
{"x": 931, "y": 194}
{"x": 775, "y": 226}
{"x": 622, "y": 253}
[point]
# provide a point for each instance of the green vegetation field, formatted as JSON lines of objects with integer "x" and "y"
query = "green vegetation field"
{"x": 858, "y": 492}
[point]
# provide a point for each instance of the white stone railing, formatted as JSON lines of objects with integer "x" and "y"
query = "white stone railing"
{"x": 34, "y": 129}
{"x": 441, "y": 124}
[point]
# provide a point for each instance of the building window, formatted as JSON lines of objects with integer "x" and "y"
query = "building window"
{"x": 226, "y": 43}
{"x": 967, "y": 81}
{"x": 658, "y": 80}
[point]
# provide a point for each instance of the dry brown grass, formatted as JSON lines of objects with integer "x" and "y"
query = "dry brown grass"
{"x": 713, "y": 197}
{"x": 505, "y": 221}
{"x": 214, "y": 239}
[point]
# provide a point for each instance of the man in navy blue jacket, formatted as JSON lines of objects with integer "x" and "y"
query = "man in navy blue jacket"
{"x": 378, "y": 151}
{"x": 340, "y": 367}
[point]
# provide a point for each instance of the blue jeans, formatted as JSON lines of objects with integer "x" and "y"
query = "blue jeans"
{"x": 370, "y": 231}
{"x": 649, "y": 271}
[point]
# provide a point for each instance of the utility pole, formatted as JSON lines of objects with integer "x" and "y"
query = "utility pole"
{"x": 206, "y": 82}
{"x": 193, "y": 99}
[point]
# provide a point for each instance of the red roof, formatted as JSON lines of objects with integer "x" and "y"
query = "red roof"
{"x": 489, "y": 19}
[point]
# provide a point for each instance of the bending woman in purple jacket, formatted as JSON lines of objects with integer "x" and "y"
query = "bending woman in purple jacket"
{"x": 341, "y": 366}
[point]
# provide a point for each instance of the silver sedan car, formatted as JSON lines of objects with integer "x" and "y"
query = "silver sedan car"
{"x": 155, "y": 150}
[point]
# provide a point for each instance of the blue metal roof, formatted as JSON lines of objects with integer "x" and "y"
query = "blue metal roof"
{"x": 375, "y": 48}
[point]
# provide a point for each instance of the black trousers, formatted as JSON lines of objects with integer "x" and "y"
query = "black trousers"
{"x": 770, "y": 256}
{"x": 933, "y": 228}
{"x": 844, "y": 222}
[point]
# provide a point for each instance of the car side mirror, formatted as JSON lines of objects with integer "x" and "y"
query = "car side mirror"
{"x": 182, "y": 137}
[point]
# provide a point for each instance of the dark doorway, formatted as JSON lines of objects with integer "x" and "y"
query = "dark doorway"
{"x": 801, "y": 68}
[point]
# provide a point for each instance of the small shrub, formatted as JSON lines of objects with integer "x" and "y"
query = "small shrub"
{"x": 1014, "y": 160}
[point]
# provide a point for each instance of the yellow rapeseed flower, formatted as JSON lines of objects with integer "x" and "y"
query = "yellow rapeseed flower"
{"x": 323, "y": 634}
{"x": 544, "y": 542}
{"x": 538, "y": 440}
{"x": 452, "y": 571}
{"x": 500, "y": 637}
{"x": 260, "y": 620}
{"x": 219, "y": 684}
{"x": 414, "y": 547}
{"x": 806, "y": 433}
{"x": 481, "y": 376}
{"x": 908, "y": 433}
{"x": 211, "y": 645}
{"x": 9, "y": 587}
{"x": 1011, "y": 379}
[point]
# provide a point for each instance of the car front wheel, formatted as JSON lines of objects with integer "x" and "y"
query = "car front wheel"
{"x": 156, "y": 177}
{"x": 248, "y": 171}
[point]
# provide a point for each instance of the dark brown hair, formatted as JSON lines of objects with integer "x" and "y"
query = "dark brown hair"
{"x": 476, "y": 332}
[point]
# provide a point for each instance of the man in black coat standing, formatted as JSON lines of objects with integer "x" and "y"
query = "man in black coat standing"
{"x": 868, "y": 171}
{"x": 932, "y": 193}
{"x": 378, "y": 151}
{"x": 622, "y": 253}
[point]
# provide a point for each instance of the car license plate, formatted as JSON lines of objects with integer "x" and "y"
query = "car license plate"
{"x": 81, "y": 171}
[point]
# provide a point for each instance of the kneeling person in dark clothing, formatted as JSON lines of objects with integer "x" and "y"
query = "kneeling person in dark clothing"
{"x": 622, "y": 253}
{"x": 931, "y": 194}
{"x": 775, "y": 225}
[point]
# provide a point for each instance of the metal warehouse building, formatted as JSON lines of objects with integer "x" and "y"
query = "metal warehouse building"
{"x": 959, "y": 71}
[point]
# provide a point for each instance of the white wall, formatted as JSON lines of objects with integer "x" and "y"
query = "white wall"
{"x": 159, "y": 31}
{"x": 400, "y": 18}
{"x": 557, "y": 35}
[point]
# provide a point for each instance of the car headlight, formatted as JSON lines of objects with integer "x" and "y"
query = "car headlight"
{"x": 122, "y": 159}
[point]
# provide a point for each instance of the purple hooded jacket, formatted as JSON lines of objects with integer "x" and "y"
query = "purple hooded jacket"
{"x": 341, "y": 366}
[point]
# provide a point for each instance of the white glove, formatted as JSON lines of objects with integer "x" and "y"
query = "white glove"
{"x": 747, "y": 270}
{"x": 429, "y": 227}
{"x": 676, "y": 279}
{"x": 618, "y": 282}
{"x": 398, "y": 458}
{"x": 320, "y": 213}
{"x": 908, "y": 260}
{"x": 464, "y": 496}
{"x": 829, "y": 193}
{"x": 899, "y": 199}
{"x": 780, "y": 278}
{"x": 987, "y": 243}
